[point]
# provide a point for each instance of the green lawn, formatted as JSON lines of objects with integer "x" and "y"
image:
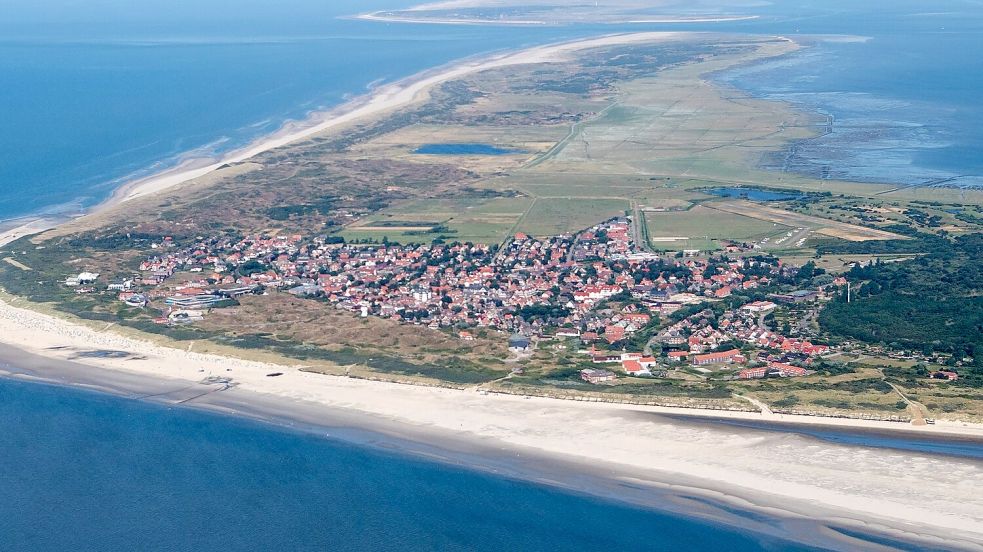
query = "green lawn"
{"x": 552, "y": 216}
{"x": 704, "y": 228}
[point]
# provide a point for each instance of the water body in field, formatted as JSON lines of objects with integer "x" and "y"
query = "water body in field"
{"x": 754, "y": 194}
{"x": 464, "y": 149}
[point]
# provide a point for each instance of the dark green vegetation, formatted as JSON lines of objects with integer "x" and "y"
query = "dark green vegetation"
{"x": 930, "y": 304}
{"x": 321, "y": 206}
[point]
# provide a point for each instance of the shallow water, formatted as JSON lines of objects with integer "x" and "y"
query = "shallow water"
{"x": 464, "y": 149}
{"x": 870, "y": 438}
{"x": 753, "y": 194}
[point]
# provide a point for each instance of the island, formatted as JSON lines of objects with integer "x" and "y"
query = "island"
{"x": 536, "y": 247}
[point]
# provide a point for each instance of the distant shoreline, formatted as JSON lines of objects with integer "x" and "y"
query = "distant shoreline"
{"x": 389, "y": 17}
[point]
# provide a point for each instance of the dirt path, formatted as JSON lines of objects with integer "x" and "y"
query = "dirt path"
{"x": 765, "y": 410}
{"x": 916, "y": 409}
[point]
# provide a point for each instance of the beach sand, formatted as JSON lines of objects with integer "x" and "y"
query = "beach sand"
{"x": 18, "y": 230}
{"x": 921, "y": 496}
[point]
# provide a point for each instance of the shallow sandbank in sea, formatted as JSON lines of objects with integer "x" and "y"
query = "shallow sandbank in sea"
{"x": 614, "y": 451}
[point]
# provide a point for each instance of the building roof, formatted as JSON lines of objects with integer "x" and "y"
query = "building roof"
{"x": 717, "y": 356}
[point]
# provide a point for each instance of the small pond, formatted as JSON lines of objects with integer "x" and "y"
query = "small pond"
{"x": 464, "y": 149}
{"x": 755, "y": 194}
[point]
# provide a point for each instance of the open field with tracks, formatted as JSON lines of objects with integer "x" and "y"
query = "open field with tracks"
{"x": 469, "y": 220}
{"x": 833, "y": 229}
{"x": 704, "y": 228}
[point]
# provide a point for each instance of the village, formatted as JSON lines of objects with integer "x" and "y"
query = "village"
{"x": 622, "y": 303}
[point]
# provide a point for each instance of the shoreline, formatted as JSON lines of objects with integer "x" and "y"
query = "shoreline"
{"x": 526, "y": 466}
{"x": 667, "y": 493}
{"x": 382, "y": 17}
{"x": 378, "y": 102}
{"x": 623, "y": 445}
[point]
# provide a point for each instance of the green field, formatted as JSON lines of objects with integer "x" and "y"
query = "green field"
{"x": 464, "y": 219}
{"x": 553, "y": 216}
{"x": 704, "y": 228}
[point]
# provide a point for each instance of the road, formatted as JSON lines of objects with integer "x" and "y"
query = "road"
{"x": 637, "y": 234}
{"x": 765, "y": 410}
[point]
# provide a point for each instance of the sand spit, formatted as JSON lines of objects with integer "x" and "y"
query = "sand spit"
{"x": 381, "y": 101}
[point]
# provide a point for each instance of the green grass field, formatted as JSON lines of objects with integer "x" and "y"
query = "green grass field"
{"x": 704, "y": 228}
{"x": 465, "y": 219}
{"x": 553, "y": 216}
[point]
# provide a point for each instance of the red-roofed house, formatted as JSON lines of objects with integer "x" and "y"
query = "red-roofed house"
{"x": 752, "y": 373}
{"x": 723, "y": 357}
{"x": 635, "y": 368}
{"x": 614, "y": 333}
{"x": 787, "y": 370}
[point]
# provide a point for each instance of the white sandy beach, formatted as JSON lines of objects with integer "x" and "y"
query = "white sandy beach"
{"x": 18, "y": 231}
{"x": 900, "y": 491}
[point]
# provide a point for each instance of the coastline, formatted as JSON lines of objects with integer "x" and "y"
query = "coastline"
{"x": 379, "y": 102}
{"x": 381, "y": 17}
{"x": 626, "y": 445}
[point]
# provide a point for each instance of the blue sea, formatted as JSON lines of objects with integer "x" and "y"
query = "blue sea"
{"x": 91, "y": 472}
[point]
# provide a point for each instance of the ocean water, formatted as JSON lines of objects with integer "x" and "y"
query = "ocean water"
{"x": 92, "y": 472}
{"x": 93, "y": 94}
